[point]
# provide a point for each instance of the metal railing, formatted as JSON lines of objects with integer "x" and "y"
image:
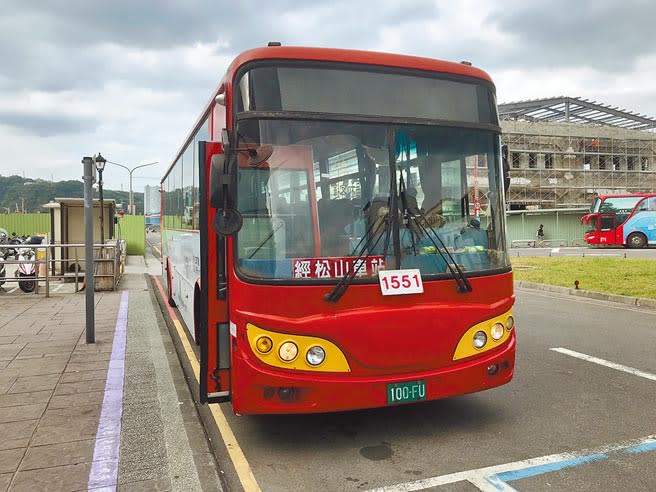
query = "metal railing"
{"x": 109, "y": 263}
{"x": 537, "y": 243}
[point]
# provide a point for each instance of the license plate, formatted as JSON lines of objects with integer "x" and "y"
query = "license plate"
{"x": 406, "y": 392}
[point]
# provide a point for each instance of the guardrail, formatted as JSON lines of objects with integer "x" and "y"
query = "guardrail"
{"x": 109, "y": 264}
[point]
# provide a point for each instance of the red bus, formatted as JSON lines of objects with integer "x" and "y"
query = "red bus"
{"x": 334, "y": 234}
{"x": 627, "y": 220}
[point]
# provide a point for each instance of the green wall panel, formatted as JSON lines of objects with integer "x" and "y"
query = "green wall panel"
{"x": 132, "y": 229}
{"x": 25, "y": 224}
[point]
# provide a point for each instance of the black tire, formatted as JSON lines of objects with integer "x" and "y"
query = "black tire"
{"x": 636, "y": 240}
{"x": 27, "y": 285}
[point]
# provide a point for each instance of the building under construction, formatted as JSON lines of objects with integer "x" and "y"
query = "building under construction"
{"x": 564, "y": 151}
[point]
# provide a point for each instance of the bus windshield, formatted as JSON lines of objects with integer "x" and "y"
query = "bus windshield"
{"x": 621, "y": 206}
{"x": 327, "y": 189}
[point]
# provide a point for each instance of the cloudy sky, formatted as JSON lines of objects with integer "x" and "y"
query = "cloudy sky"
{"x": 128, "y": 78}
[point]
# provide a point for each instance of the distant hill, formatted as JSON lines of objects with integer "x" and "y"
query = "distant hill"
{"x": 18, "y": 192}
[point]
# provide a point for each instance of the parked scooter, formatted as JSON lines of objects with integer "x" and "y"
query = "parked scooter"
{"x": 26, "y": 266}
{"x": 4, "y": 254}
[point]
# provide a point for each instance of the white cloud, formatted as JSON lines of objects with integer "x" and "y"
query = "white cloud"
{"x": 133, "y": 89}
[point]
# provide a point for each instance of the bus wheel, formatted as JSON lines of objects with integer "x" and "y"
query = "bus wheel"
{"x": 636, "y": 240}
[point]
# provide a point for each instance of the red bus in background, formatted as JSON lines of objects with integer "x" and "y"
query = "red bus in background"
{"x": 622, "y": 220}
{"x": 334, "y": 234}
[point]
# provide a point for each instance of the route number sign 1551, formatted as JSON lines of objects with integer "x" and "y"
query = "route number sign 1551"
{"x": 397, "y": 282}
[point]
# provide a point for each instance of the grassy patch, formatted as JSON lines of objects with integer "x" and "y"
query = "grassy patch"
{"x": 627, "y": 277}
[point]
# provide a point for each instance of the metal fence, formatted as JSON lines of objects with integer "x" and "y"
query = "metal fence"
{"x": 109, "y": 265}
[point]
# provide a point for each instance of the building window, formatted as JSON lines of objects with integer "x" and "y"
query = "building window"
{"x": 616, "y": 163}
{"x": 586, "y": 163}
{"x": 532, "y": 161}
{"x": 515, "y": 160}
{"x": 602, "y": 162}
{"x": 630, "y": 163}
{"x": 644, "y": 164}
{"x": 548, "y": 161}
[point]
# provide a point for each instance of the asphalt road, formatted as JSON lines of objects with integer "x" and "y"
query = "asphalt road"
{"x": 601, "y": 417}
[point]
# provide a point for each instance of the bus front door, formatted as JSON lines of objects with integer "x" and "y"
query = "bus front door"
{"x": 215, "y": 330}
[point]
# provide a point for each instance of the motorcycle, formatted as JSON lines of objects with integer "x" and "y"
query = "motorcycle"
{"x": 26, "y": 266}
{"x": 4, "y": 254}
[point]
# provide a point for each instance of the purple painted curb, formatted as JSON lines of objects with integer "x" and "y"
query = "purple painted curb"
{"x": 104, "y": 469}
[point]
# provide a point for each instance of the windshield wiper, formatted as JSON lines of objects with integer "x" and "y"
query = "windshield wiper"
{"x": 365, "y": 244}
{"x": 424, "y": 226}
{"x": 416, "y": 215}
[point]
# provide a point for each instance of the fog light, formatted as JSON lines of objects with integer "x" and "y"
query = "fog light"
{"x": 264, "y": 345}
{"x": 497, "y": 331}
{"x": 492, "y": 370}
{"x": 510, "y": 323}
{"x": 315, "y": 355}
{"x": 480, "y": 339}
{"x": 286, "y": 394}
{"x": 288, "y": 351}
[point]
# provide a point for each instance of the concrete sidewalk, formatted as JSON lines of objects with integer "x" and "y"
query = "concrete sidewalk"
{"x": 114, "y": 415}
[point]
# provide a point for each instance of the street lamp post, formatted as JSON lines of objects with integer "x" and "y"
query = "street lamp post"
{"x": 131, "y": 207}
{"x": 99, "y": 161}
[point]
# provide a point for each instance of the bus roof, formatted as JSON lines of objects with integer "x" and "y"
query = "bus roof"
{"x": 333, "y": 55}
{"x": 623, "y": 195}
{"x": 355, "y": 56}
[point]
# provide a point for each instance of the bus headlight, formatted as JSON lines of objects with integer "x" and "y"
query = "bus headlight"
{"x": 288, "y": 351}
{"x": 480, "y": 339}
{"x": 315, "y": 355}
{"x": 264, "y": 345}
{"x": 497, "y": 331}
{"x": 510, "y": 323}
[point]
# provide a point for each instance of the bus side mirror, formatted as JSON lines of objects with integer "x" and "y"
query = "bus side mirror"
{"x": 223, "y": 184}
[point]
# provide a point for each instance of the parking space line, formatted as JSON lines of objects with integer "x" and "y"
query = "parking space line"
{"x": 242, "y": 467}
{"x": 493, "y": 478}
{"x": 602, "y": 362}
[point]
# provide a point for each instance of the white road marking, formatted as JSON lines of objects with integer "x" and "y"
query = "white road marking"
{"x": 58, "y": 287}
{"x": 479, "y": 477}
{"x": 13, "y": 290}
{"x": 602, "y": 362}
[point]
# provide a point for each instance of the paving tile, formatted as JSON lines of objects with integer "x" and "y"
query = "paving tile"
{"x": 79, "y": 387}
{"x": 21, "y": 412}
{"x": 30, "y": 384}
{"x": 16, "y": 434}
{"x": 10, "y": 458}
{"x": 38, "y": 367}
{"x": 55, "y": 479}
{"x": 87, "y": 366}
{"x": 6, "y": 381}
{"x": 67, "y": 424}
{"x": 76, "y": 399}
{"x": 5, "y": 480}
{"x": 60, "y": 454}
{"x": 5, "y": 340}
{"x": 8, "y": 352}
{"x": 18, "y": 399}
{"x": 72, "y": 377}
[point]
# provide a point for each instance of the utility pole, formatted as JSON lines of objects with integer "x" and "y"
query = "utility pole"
{"x": 89, "y": 286}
